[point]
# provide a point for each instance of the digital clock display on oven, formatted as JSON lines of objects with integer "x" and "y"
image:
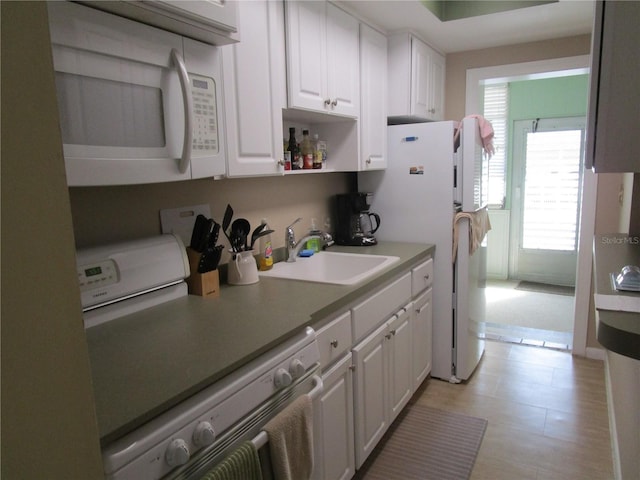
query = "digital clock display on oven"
{"x": 90, "y": 272}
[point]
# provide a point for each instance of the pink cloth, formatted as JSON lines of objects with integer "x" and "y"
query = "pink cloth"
{"x": 486, "y": 133}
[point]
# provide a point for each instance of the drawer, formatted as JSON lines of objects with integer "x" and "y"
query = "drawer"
{"x": 334, "y": 339}
{"x": 421, "y": 277}
{"x": 367, "y": 315}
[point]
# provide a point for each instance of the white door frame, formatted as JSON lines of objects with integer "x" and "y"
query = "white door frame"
{"x": 558, "y": 67}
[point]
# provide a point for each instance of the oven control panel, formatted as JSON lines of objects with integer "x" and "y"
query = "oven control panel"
{"x": 97, "y": 275}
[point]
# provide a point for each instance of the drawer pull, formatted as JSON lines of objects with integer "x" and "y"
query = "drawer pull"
{"x": 334, "y": 343}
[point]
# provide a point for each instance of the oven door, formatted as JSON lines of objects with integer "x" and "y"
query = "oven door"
{"x": 126, "y": 99}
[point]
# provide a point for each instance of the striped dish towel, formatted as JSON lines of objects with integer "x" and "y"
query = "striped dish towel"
{"x": 241, "y": 464}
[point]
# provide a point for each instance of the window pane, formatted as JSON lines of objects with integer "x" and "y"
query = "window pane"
{"x": 552, "y": 182}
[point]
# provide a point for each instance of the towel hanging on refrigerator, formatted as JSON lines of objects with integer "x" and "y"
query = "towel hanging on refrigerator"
{"x": 479, "y": 225}
{"x": 486, "y": 134}
{"x": 291, "y": 441}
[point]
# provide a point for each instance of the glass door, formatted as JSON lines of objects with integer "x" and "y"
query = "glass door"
{"x": 547, "y": 178}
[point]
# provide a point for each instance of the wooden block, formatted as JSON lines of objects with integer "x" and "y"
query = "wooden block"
{"x": 202, "y": 284}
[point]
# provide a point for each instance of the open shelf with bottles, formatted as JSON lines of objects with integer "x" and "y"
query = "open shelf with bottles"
{"x": 339, "y": 133}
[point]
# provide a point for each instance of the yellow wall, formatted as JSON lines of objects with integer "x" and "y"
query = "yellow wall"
{"x": 49, "y": 428}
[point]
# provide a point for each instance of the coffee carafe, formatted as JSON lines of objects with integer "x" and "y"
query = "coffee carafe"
{"x": 355, "y": 224}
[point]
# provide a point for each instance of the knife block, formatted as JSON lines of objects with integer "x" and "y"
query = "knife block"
{"x": 202, "y": 284}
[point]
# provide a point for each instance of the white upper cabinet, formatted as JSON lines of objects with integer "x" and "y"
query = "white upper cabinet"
{"x": 612, "y": 143}
{"x": 373, "y": 97}
{"x": 255, "y": 91}
{"x": 322, "y": 58}
{"x": 416, "y": 75}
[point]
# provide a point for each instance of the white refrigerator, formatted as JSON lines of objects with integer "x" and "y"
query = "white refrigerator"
{"x": 417, "y": 197}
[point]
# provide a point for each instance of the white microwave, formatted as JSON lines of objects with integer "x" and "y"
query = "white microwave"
{"x": 137, "y": 104}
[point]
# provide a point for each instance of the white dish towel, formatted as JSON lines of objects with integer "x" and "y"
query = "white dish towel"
{"x": 291, "y": 441}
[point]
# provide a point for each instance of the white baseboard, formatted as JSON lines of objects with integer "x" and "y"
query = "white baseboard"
{"x": 595, "y": 353}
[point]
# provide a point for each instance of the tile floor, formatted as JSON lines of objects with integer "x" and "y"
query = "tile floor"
{"x": 547, "y": 413}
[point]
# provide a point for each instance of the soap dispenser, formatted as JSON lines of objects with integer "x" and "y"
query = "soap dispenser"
{"x": 265, "y": 257}
{"x": 314, "y": 243}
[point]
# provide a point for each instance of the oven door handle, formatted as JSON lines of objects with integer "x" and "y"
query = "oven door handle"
{"x": 187, "y": 100}
{"x": 262, "y": 438}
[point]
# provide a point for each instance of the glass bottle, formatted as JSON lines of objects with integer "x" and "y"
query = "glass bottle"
{"x": 293, "y": 148}
{"x": 306, "y": 150}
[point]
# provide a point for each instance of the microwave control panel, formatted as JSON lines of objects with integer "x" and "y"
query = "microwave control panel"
{"x": 205, "y": 115}
{"x": 98, "y": 274}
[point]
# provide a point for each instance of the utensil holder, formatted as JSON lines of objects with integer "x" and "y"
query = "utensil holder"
{"x": 202, "y": 284}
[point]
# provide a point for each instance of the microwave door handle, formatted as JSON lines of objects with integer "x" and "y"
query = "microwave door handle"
{"x": 187, "y": 100}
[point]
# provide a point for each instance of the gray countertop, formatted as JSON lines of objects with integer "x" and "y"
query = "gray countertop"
{"x": 147, "y": 362}
{"x": 618, "y": 331}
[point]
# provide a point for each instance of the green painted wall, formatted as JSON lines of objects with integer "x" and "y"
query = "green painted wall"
{"x": 547, "y": 98}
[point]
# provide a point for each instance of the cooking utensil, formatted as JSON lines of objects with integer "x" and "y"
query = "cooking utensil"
{"x": 240, "y": 229}
{"x": 226, "y": 221}
{"x": 256, "y": 231}
{"x": 197, "y": 235}
{"x": 261, "y": 234}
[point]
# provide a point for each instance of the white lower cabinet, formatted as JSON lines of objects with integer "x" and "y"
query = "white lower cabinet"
{"x": 383, "y": 383}
{"x": 373, "y": 358}
{"x": 334, "y": 440}
{"x": 333, "y": 433}
{"x": 421, "y": 328}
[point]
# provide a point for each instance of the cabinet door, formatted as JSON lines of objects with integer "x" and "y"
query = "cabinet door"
{"x": 334, "y": 441}
{"x": 421, "y": 337}
{"x": 306, "y": 54}
{"x": 254, "y": 108}
{"x": 400, "y": 373}
{"x": 436, "y": 91}
{"x": 373, "y": 94}
{"x": 612, "y": 141}
{"x": 343, "y": 73}
{"x": 420, "y": 78}
{"x": 370, "y": 398}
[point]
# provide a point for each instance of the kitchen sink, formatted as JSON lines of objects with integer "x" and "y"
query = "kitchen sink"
{"x": 331, "y": 267}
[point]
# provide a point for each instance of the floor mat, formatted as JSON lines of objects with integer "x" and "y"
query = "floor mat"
{"x": 425, "y": 443}
{"x": 546, "y": 288}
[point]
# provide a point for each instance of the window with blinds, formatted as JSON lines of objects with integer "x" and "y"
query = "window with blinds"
{"x": 496, "y": 102}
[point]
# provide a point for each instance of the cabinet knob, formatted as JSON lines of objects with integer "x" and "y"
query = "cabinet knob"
{"x": 327, "y": 101}
{"x": 334, "y": 343}
{"x": 432, "y": 110}
{"x": 368, "y": 161}
{"x": 388, "y": 336}
{"x": 281, "y": 162}
{"x": 334, "y": 103}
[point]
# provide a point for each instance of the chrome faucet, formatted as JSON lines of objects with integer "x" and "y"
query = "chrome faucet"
{"x": 293, "y": 247}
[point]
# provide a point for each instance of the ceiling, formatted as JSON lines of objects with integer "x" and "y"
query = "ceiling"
{"x": 564, "y": 18}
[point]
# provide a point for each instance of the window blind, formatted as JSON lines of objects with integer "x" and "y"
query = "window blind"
{"x": 496, "y": 103}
